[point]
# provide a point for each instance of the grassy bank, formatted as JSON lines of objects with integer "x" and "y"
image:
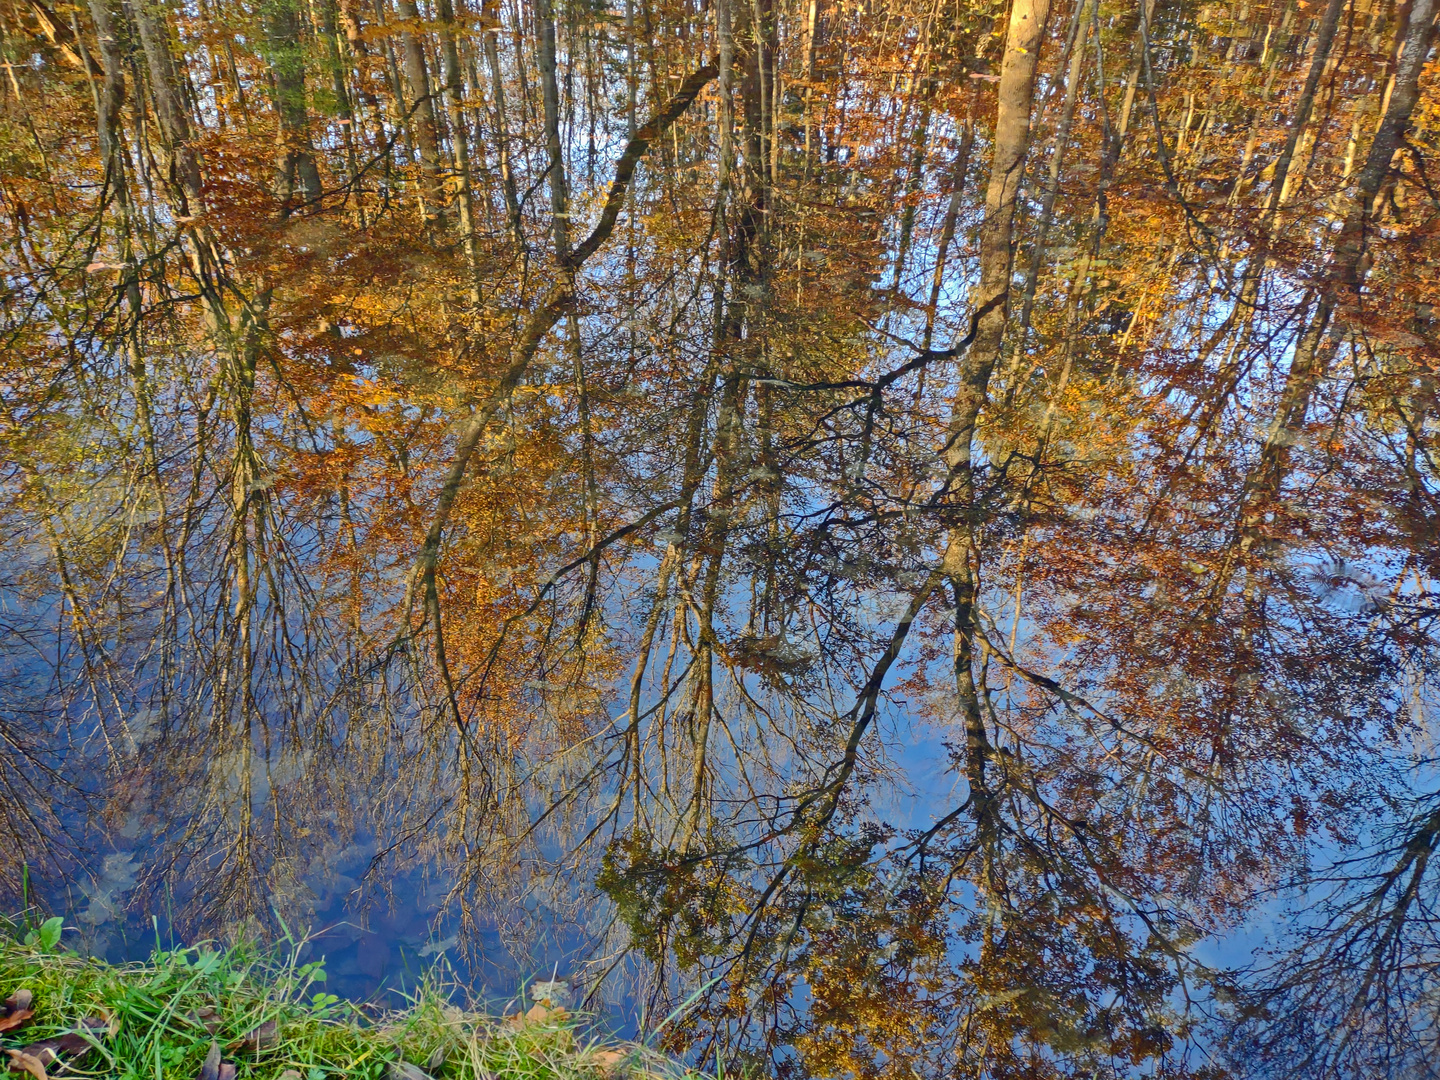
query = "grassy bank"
{"x": 213, "y": 1014}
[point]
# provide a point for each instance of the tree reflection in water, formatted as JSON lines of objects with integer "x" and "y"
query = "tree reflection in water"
{"x": 907, "y": 521}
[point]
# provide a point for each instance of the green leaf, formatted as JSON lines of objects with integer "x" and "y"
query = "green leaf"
{"x": 50, "y": 932}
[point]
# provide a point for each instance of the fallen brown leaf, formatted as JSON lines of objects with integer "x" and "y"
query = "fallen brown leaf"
{"x": 20, "y": 1061}
{"x": 107, "y": 1023}
{"x": 49, "y": 1051}
{"x": 207, "y": 1018}
{"x": 210, "y": 1067}
{"x": 609, "y": 1059}
{"x": 540, "y": 1014}
{"x": 215, "y": 1069}
{"x": 259, "y": 1039}
{"x": 403, "y": 1070}
{"x": 17, "y": 1009}
{"x": 536, "y": 1014}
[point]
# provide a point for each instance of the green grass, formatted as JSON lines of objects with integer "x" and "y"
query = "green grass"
{"x": 163, "y": 1016}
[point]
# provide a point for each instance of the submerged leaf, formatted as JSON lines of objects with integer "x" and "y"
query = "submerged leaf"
{"x": 609, "y": 1060}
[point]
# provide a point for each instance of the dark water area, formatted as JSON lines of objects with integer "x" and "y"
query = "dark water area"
{"x": 376, "y": 952}
{"x": 378, "y": 944}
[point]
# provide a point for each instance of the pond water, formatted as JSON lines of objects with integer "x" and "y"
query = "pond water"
{"x": 376, "y": 948}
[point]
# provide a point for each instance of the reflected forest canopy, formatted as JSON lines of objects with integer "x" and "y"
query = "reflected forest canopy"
{"x": 913, "y": 521}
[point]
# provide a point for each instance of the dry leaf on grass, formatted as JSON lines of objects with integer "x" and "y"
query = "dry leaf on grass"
{"x": 17, "y": 1010}
{"x": 403, "y": 1070}
{"x": 48, "y": 1051}
{"x": 264, "y": 1037}
{"x": 206, "y": 1017}
{"x": 214, "y": 1068}
{"x": 210, "y": 1068}
{"x": 20, "y": 1061}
